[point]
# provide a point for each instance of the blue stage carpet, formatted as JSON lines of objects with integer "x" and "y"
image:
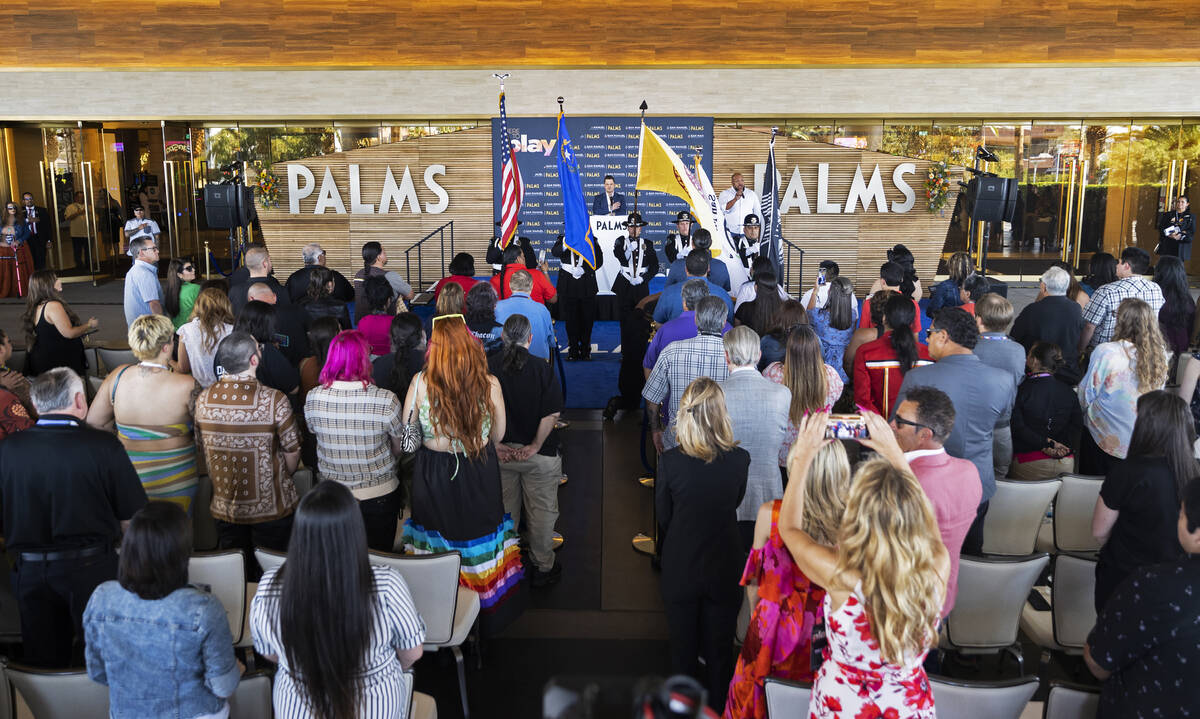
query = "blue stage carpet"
{"x": 590, "y": 384}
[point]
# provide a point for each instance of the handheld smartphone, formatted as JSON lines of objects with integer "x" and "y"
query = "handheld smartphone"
{"x": 821, "y": 276}
{"x": 846, "y": 426}
{"x": 541, "y": 257}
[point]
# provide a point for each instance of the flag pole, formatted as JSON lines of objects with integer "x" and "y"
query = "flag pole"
{"x": 643, "y": 107}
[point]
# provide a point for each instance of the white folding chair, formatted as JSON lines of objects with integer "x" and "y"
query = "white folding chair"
{"x": 268, "y": 558}
{"x": 987, "y": 610}
{"x": 787, "y": 700}
{"x": 449, "y": 610}
{"x": 1071, "y": 701}
{"x": 1072, "y": 608}
{"x": 252, "y": 698}
{"x": 1073, "y": 514}
{"x": 422, "y": 706}
{"x": 57, "y": 694}
{"x": 224, "y": 573}
{"x": 965, "y": 699}
{"x": 1015, "y": 514}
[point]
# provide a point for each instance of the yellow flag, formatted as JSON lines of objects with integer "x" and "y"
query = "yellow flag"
{"x": 660, "y": 169}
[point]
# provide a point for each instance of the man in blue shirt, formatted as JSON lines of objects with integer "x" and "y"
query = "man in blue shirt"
{"x": 682, "y": 327}
{"x": 520, "y": 303}
{"x": 717, "y": 271}
{"x": 670, "y": 302}
{"x": 143, "y": 293}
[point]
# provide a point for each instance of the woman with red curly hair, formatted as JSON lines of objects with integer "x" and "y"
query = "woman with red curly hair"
{"x": 456, "y": 499}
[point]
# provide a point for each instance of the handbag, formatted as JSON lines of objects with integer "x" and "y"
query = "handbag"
{"x": 412, "y": 437}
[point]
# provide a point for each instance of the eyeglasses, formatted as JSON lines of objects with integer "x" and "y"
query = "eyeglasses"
{"x": 898, "y": 420}
{"x": 446, "y": 317}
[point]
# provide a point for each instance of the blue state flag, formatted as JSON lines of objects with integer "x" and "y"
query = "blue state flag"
{"x": 577, "y": 228}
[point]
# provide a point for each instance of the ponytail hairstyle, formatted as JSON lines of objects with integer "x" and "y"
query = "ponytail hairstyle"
{"x": 406, "y": 334}
{"x": 899, "y": 314}
{"x": 515, "y": 334}
{"x": 370, "y": 253}
{"x": 876, "y": 305}
{"x": 1047, "y": 355}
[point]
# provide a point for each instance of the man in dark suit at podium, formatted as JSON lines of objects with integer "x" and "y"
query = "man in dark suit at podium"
{"x": 609, "y": 202}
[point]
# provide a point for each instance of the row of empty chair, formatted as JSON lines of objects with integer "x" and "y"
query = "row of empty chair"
{"x": 960, "y": 699}
{"x": 1015, "y": 523}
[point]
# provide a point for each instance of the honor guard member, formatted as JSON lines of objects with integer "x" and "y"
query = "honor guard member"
{"x": 577, "y": 298}
{"x": 639, "y": 263}
{"x": 718, "y": 273}
{"x": 495, "y": 253}
{"x": 749, "y": 245}
{"x": 679, "y": 242}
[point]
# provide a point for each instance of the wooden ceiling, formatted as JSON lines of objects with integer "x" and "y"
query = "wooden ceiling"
{"x": 210, "y": 34}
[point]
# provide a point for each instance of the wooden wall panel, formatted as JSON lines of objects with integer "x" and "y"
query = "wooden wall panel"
{"x": 467, "y": 182}
{"x": 858, "y": 242}
{"x": 533, "y": 33}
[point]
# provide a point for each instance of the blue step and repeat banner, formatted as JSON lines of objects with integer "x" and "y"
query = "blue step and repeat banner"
{"x": 604, "y": 146}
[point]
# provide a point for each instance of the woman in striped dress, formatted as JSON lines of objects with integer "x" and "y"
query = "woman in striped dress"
{"x": 343, "y": 632}
{"x": 151, "y": 408}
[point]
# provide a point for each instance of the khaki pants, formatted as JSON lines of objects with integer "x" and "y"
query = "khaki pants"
{"x": 1042, "y": 468}
{"x": 532, "y": 484}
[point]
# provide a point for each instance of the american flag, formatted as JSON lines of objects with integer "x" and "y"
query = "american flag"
{"x": 512, "y": 188}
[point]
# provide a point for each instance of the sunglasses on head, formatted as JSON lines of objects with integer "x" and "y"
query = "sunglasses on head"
{"x": 446, "y": 317}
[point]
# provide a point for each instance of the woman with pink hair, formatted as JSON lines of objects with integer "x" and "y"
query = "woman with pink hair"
{"x": 358, "y": 430}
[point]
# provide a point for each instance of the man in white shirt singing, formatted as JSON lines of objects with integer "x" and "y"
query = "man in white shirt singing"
{"x": 737, "y": 202}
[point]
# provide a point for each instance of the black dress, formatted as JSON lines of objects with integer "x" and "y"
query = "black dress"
{"x": 50, "y": 349}
{"x": 1178, "y": 244}
{"x": 702, "y": 561}
{"x": 1143, "y": 490}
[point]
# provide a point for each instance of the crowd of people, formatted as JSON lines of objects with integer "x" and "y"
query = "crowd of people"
{"x": 441, "y": 434}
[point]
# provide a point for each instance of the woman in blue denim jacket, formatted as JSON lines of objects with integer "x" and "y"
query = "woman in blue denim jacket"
{"x": 163, "y": 647}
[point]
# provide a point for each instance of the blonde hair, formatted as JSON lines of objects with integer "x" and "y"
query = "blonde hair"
{"x": 994, "y": 312}
{"x": 451, "y": 299}
{"x": 703, "y": 428}
{"x": 148, "y": 334}
{"x": 825, "y": 491}
{"x": 889, "y": 537}
{"x": 1138, "y": 325}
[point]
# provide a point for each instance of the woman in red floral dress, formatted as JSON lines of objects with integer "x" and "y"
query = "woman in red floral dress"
{"x": 885, "y": 582}
{"x": 786, "y": 605}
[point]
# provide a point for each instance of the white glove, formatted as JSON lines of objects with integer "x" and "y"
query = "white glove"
{"x": 575, "y": 272}
{"x": 753, "y": 249}
{"x": 637, "y": 280}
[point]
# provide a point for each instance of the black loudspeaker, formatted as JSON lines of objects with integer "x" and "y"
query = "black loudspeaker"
{"x": 995, "y": 198}
{"x": 219, "y": 206}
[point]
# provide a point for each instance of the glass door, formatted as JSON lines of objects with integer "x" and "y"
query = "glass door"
{"x": 180, "y": 232}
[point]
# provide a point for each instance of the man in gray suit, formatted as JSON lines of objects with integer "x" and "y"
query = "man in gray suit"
{"x": 758, "y": 409}
{"x": 982, "y": 397}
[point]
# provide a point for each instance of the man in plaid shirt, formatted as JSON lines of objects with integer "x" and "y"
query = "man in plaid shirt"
{"x": 1100, "y": 315}
{"x": 683, "y": 361}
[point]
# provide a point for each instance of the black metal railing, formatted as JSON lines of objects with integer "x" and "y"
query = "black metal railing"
{"x": 789, "y": 279}
{"x": 420, "y": 281}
